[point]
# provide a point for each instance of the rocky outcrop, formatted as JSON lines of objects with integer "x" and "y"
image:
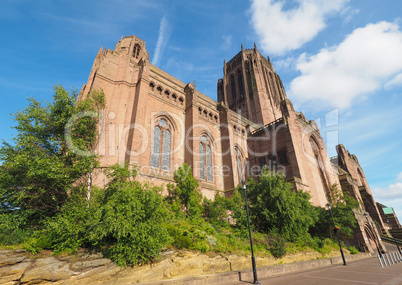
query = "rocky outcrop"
{"x": 19, "y": 267}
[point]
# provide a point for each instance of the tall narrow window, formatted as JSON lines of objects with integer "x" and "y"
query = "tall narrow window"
{"x": 161, "y": 144}
{"x": 233, "y": 86}
{"x": 205, "y": 159}
{"x": 156, "y": 143}
{"x": 166, "y": 150}
{"x": 241, "y": 85}
{"x": 320, "y": 166}
{"x": 239, "y": 165}
{"x": 209, "y": 163}
{"x": 202, "y": 161}
{"x": 136, "y": 51}
{"x": 248, "y": 78}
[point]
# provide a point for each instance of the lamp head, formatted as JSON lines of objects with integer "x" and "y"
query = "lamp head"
{"x": 329, "y": 205}
{"x": 243, "y": 182}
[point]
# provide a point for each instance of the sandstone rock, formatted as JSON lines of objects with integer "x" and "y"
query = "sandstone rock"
{"x": 12, "y": 273}
{"x": 99, "y": 275}
{"x": 9, "y": 257}
{"x": 50, "y": 269}
{"x": 81, "y": 265}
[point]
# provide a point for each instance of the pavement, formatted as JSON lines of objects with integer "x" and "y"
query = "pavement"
{"x": 367, "y": 271}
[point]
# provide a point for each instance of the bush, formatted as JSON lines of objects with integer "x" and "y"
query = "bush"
{"x": 216, "y": 212}
{"x": 124, "y": 221}
{"x": 276, "y": 244}
{"x": 67, "y": 231}
{"x": 343, "y": 206}
{"x": 185, "y": 197}
{"x": 196, "y": 235}
{"x": 352, "y": 250}
{"x": 11, "y": 232}
{"x": 274, "y": 206}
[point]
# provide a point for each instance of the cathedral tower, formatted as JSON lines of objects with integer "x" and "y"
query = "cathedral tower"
{"x": 251, "y": 87}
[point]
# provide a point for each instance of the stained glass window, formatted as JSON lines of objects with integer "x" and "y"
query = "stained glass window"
{"x": 163, "y": 123}
{"x": 156, "y": 147}
{"x": 201, "y": 161}
{"x": 240, "y": 168}
{"x": 166, "y": 150}
{"x": 209, "y": 163}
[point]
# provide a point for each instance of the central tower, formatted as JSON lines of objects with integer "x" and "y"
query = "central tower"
{"x": 251, "y": 87}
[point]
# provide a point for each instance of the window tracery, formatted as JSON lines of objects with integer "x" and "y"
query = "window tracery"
{"x": 205, "y": 159}
{"x": 161, "y": 145}
{"x": 136, "y": 51}
{"x": 239, "y": 164}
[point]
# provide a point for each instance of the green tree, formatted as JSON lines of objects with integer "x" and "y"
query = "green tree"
{"x": 185, "y": 196}
{"x": 124, "y": 221}
{"x": 343, "y": 206}
{"x": 128, "y": 224}
{"x": 274, "y": 206}
{"x": 217, "y": 211}
{"x": 41, "y": 164}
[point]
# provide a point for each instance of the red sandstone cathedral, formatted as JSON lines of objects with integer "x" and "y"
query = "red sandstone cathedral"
{"x": 156, "y": 122}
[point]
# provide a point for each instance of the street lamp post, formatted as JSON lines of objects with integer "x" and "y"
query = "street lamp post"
{"x": 251, "y": 240}
{"x": 375, "y": 239}
{"x": 397, "y": 245}
{"x": 337, "y": 235}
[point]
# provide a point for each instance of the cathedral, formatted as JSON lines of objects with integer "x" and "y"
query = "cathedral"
{"x": 156, "y": 122}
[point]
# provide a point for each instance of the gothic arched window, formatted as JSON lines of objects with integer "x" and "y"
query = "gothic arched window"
{"x": 319, "y": 162}
{"x": 136, "y": 51}
{"x": 233, "y": 87}
{"x": 161, "y": 144}
{"x": 205, "y": 159}
{"x": 239, "y": 164}
{"x": 241, "y": 85}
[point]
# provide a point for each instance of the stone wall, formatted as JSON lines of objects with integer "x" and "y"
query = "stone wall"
{"x": 19, "y": 267}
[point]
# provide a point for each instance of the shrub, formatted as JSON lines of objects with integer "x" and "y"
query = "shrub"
{"x": 124, "y": 221}
{"x": 189, "y": 234}
{"x": 343, "y": 206}
{"x": 11, "y": 232}
{"x": 185, "y": 197}
{"x": 276, "y": 244}
{"x": 274, "y": 206}
{"x": 216, "y": 212}
{"x": 352, "y": 250}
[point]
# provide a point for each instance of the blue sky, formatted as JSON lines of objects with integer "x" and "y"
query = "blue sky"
{"x": 334, "y": 57}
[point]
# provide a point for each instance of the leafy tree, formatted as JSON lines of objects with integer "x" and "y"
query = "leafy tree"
{"x": 128, "y": 224}
{"x": 40, "y": 166}
{"x": 274, "y": 206}
{"x": 185, "y": 196}
{"x": 124, "y": 221}
{"x": 343, "y": 206}
{"x": 216, "y": 212}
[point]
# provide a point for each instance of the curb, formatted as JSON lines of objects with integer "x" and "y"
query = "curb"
{"x": 262, "y": 272}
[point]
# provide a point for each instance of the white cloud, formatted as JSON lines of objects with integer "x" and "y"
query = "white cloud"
{"x": 394, "y": 82}
{"x": 227, "y": 41}
{"x": 348, "y": 13}
{"x": 283, "y": 30}
{"x": 399, "y": 177}
{"x": 164, "y": 34}
{"x": 361, "y": 64}
{"x": 390, "y": 196}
